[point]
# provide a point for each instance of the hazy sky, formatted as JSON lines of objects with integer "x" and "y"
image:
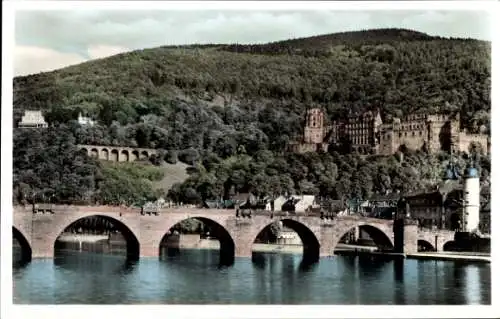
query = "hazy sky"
{"x": 48, "y": 40}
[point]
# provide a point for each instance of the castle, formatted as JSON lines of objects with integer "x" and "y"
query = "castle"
{"x": 367, "y": 134}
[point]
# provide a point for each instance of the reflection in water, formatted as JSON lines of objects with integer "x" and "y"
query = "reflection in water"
{"x": 195, "y": 277}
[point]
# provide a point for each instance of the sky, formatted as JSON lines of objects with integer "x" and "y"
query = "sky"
{"x": 48, "y": 40}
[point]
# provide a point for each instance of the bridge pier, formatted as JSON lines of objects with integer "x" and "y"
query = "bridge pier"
{"x": 405, "y": 237}
{"x": 42, "y": 249}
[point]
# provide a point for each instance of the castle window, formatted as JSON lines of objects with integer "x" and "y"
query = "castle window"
{"x": 420, "y": 133}
{"x": 413, "y": 134}
{"x": 400, "y": 134}
{"x": 406, "y": 134}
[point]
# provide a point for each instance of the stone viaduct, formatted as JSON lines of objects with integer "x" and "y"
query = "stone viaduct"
{"x": 117, "y": 153}
{"x": 38, "y": 230}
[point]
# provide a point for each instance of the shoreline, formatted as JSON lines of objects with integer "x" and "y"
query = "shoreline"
{"x": 341, "y": 249}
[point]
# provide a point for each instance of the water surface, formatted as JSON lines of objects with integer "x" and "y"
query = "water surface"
{"x": 195, "y": 277}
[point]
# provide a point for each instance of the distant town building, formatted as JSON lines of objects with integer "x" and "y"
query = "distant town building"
{"x": 367, "y": 134}
{"x": 287, "y": 236}
{"x": 454, "y": 204}
{"x": 485, "y": 218}
{"x": 300, "y": 204}
{"x": 85, "y": 121}
{"x": 439, "y": 207}
{"x": 32, "y": 119}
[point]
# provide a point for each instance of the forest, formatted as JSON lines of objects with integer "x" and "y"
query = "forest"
{"x": 231, "y": 110}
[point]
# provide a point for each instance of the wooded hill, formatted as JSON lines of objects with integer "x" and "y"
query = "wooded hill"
{"x": 213, "y": 103}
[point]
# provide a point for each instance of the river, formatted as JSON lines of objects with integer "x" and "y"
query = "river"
{"x": 195, "y": 277}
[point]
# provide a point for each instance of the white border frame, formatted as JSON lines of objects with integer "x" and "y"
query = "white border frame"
{"x": 8, "y": 310}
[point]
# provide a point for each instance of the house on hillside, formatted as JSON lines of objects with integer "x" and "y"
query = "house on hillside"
{"x": 85, "y": 121}
{"x": 33, "y": 119}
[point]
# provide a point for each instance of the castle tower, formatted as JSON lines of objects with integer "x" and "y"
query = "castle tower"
{"x": 471, "y": 199}
{"x": 437, "y": 131}
{"x": 454, "y": 134}
{"x": 314, "y": 132}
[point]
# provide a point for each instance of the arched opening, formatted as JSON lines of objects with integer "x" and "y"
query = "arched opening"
{"x": 286, "y": 236}
{"x": 144, "y": 155}
{"x": 104, "y": 154}
{"x": 450, "y": 246}
{"x": 114, "y": 155}
{"x": 97, "y": 234}
{"x": 94, "y": 153}
{"x": 424, "y": 245}
{"x": 21, "y": 249}
{"x": 124, "y": 156}
{"x": 198, "y": 238}
{"x": 363, "y": 238}
{"x": 84, "y": 150}
{"x": 135, "y": 156}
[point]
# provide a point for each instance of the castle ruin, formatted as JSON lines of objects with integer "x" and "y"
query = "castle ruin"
{"x": 366, "y": 133}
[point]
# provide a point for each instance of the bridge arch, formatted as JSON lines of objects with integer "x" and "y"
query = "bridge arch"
{"x": 424, "y": 245}
{"x": 382, "y": 235}
{"x": 26, "y": 251}
{"x": 449, "y": 245}
{"x": 94, "y": 153}
{"x": 144, "y": 155}
{"x": 310, "y": 242}
{"x": 131, "y": 238}
{"x": 227, "y": 248}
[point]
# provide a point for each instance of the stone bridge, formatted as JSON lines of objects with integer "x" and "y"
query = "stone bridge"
{"x": 118, "y": 154}
{"x": 37, "y": 231}
{"x": 435, "y": 239}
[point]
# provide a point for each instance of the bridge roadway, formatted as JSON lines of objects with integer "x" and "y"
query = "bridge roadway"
{"x": 37, "y": 231}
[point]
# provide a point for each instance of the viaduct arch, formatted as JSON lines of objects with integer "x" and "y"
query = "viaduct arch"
{"x": 116, "y": 153}
{"x": 145, "y": 232}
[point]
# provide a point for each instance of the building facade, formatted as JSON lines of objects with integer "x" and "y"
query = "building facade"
{"x": 85, "y": 121}
{"x": 32, "y": 119}
{"x": 366, "y": 133}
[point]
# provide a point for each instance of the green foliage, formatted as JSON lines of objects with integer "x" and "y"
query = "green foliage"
{"x": 48, "y": 167}
{"x": 329, "y": 175}
{"x": 232, "y": 110}
{"x": 128, "y": 183}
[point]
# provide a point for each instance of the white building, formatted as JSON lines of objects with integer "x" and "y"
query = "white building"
{"x": 33, "y": 119}
{"x": 471, "y": 199}
{"x": 276, "y": 204}
{"x": 304, "y": 203}
{"x": 85, "y": 121}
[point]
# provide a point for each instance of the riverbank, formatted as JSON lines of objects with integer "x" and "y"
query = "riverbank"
{"x": 194, "y": 242}
{"x": 449, "y": 256}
